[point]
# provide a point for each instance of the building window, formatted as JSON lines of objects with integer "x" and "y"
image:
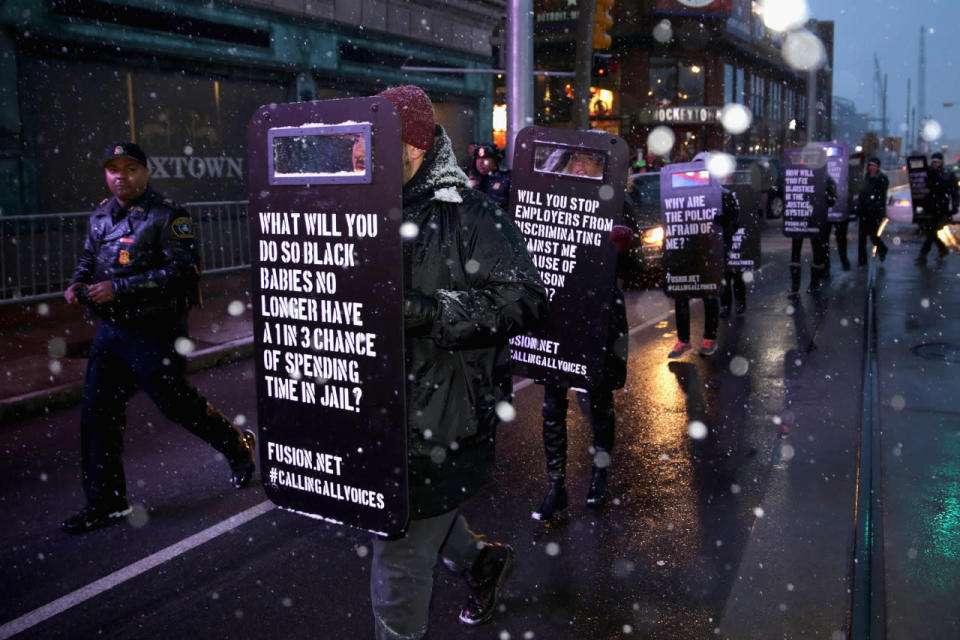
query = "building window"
{"x": 729, "y": 86}
{"x": 676, "y": 82}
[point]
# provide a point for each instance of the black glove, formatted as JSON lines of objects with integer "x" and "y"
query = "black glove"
{"x": 419, "y": 311}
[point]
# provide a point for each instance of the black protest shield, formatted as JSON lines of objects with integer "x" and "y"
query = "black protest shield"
{"x": 325, "y": 216}
{"x": 919, "y": 189}
{"x": 744, "y": 254}
{"x": 567, "y": 194}
{"x": 690, "y": 199}
{"x": 805, "y": 191}
{"x": 838, "y": 167}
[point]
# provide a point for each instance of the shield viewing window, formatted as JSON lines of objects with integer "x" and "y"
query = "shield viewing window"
{"x": 690, "y": 179}
{"x": 576, "y": 162}
{"x": 320, "y": 154}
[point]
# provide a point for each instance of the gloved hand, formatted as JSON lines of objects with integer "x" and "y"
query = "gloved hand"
{"x": 621, "y": 237}
{"x": 419, "y": 311}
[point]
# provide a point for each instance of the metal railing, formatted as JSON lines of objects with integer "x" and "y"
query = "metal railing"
{"x": 38, "y": 253}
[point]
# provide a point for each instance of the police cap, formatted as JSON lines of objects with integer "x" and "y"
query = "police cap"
{"x": 124, "y": 149}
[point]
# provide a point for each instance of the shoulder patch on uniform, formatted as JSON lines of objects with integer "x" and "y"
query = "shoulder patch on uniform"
{"x": 182, "y": 227}
{"x": 103, "y": 202}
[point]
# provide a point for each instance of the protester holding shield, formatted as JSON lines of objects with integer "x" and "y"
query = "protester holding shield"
{"x": 469, "y": 285}
{"x": 871, "y": 209}
{"x": 597, "y": 401}
{"x": 943, "y": 201}
{"x": 819, "y": 247}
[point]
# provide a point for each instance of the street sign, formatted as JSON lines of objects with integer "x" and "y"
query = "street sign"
{"x": 690, "y": 199}
{"x": 325, "y": 184}
{"x": 805, "y": 191}
{"x": 567, "y": 195}
{"x": 919, "y": 189}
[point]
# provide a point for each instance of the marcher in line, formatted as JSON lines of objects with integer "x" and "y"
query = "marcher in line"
{"x": 597, "y": 401}
{"x": 871, "y": 210}
{"x": 734, "y": 291}
{"x": 818, "y": 246}
{"x": 727, "y": 221}
{"x": 469, "y": 286}
{"x": 942, "y": 202}
{"x": 139, "y": 273}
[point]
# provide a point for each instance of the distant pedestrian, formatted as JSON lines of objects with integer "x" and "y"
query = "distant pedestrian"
{"x": 469, "y": 286}
{"x": 818, "y": 246}
{"x": 942, "y": 202}
{"x": 139, "y": 273}
{"x": 871, "y": 210}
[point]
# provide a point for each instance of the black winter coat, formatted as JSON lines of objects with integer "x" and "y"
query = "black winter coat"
{"x": 148, "y": 251}
{"x": 872, "y": 199}
{"x": 472, "y": 260}
{"x": 944, "y": 198}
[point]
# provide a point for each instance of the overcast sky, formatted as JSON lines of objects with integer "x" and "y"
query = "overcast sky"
{"x": 891, "y": 29}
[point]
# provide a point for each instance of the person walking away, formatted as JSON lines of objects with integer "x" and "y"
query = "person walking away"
{"x": 139, "y": 272}
{"x": 942, "y": 203}
{"x": 871, "y": 210}
{"x": 469, "y": 285}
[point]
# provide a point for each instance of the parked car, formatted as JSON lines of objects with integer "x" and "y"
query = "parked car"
{"x": 769, "y": 179}
{"x": 644, "y": 267}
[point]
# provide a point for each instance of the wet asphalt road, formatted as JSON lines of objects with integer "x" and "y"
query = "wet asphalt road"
{"x": 746, "y": 533}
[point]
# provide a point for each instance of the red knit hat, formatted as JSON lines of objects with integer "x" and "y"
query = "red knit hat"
{"x": 416, "y": 115}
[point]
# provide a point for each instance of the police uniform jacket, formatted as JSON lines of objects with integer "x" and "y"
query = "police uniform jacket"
{"x": 148, "y": 250}
{"x": 471, "y": 259}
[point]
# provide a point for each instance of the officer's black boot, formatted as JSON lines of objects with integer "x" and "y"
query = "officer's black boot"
{"x": 555, "y": 447}
{"x": 235, "y": 445}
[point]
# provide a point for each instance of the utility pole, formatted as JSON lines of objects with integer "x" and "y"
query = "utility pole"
{"x": 583, "y": 66}
{"x": 921, "y": 91}
{"x": 519, "y": 70}
{"x": 907, "y": 144}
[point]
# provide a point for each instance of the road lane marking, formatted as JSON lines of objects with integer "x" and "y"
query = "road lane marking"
{"x": 120, "y": 576}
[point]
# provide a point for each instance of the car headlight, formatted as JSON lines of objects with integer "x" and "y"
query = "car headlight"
{"x": 653, "y": 236}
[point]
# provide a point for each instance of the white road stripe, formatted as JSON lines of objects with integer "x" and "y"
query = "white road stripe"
{"x": 120, "y": 576}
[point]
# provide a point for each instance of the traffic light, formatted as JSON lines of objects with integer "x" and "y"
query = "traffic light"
{"x": 601, "y": 22}
{"x": 602, "y": 64}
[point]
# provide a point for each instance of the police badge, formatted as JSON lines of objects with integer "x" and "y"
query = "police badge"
{"x": 182, "y": 227}
{"x": 123, "y": 257}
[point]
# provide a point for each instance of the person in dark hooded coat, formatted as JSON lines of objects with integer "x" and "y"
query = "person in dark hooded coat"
{"x": 469, "y": 286}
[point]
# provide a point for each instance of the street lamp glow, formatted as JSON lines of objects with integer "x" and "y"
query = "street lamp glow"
{"x": 783, "y": 15}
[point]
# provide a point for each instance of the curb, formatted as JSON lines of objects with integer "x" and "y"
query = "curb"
{"x": 43, "y": 401}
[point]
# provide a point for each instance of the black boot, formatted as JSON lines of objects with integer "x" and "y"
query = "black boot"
{"x": 555, "y": 451}
{"x": 554, "y": 504}
{"x": 242, "y": 465}
{"x": 597, "y": 494}
{"x": 794, "y": 280}
{"x": 484, "y": 579}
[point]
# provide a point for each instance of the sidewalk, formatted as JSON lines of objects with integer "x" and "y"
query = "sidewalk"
{"x": 43, "y": 346}
{"x": 918, "y": 353}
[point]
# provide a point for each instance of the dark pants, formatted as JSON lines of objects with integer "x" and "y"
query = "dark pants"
{"x": 599, "y": 407}
{"x": 123, "y": 359}
{"x": 817, "y": 270}
{"x": 401, "y": 575}
{"x": 734, "y": 288}
{"x": 869, "y": 226}
{"x": 931, "y": 238}
{"x": 711, "y": 318}
{"x": 840, "y": 231}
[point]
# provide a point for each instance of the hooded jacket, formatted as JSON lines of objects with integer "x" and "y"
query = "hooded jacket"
{"x": 470, "y": 258}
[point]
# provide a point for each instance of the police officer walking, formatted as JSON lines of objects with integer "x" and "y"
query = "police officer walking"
{"x": 871, "y": 209}
{"x": 487, "y": 176}
{"x": 138, "y": 272}
{"x": 943, "y": 202}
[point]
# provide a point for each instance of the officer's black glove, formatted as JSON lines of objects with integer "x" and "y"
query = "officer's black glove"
{"x": 419, "y": 312}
